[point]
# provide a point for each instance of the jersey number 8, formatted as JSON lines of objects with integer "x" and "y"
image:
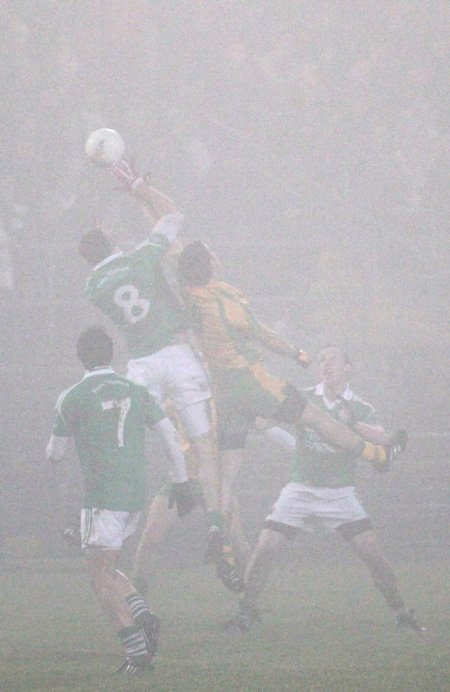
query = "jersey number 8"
{"x": 134, "y": 308}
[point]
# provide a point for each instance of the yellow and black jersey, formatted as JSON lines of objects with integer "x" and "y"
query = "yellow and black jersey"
{"x": 224, "y": 323}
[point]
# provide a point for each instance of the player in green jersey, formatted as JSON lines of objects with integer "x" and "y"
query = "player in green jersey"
{"x": 322, "y": 492}
{"x": 107, "y": 416}
{"x": 133, "y": 290}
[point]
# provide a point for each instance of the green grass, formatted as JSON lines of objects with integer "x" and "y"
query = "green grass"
{"x": 325, "y": 630}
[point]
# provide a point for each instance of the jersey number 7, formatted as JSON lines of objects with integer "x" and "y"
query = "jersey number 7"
{"x": 123, "y": 406}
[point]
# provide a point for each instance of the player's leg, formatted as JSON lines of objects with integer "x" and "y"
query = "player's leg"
{"x": 204, "y": 448}
{"x": 112, "y": 593}
{"x": 295, "y": 409}
{"x": 231, "y": 463}
{"x": 279, "y": 400}
{"x": 239, "y": 542}
{"x": 175, "y": 374}
{"x": 196, "y": 421}
{"x": 257, "y": 574}
{"x": 258, "y": 570}
{"x": 219, "y": 549}
{"x": 367, "y": 548}
{"x": 224, "y": 553}
{"x": 103, "y": 533}
{"x": 160, "y": 520}
{"x": 187, "y": 386}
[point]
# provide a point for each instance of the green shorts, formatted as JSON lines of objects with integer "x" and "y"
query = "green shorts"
{"x": 241, "y": 395}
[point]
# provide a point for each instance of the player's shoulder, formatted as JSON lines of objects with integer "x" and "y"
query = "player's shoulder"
{"x": 106, "y": 270}
{"x": 137, "y": 389}
{"x": 69, "y": 395}
{"x": 228, "y": 292}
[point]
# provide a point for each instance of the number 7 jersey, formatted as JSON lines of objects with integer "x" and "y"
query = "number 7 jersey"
{"x": 133, "y": 292}
{"x": 106, "y": 415}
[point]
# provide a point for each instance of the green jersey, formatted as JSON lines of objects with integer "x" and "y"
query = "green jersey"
{"x": 132, "y": 291}
{"x": 107, "y": 414}
{"x": 318, "y": 463}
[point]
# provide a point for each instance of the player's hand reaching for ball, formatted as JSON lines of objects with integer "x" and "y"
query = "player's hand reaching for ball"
{"x": 125, "y": 172}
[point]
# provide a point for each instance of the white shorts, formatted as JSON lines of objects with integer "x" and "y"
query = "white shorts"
{"x": 172, "y": 373}
{"x": 306, "y": 507}
{"x": 105, "y": 529}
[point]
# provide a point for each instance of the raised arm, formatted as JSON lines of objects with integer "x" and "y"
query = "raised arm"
{"x": 156, "y": 204}
{"x": 273, "y": 341}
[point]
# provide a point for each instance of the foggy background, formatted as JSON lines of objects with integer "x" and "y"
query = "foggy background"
{"x": 308, "y": 143}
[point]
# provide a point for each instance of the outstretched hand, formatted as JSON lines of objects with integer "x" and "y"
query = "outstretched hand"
{"x": 125, "y": 172}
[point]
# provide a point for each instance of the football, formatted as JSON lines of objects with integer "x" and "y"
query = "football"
{"x": 105, "y": 147}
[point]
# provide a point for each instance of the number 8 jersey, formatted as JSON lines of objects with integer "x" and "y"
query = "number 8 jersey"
{"x": 132, "y": 291}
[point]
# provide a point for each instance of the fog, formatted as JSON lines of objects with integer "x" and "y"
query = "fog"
{"x": 307, "y": 142}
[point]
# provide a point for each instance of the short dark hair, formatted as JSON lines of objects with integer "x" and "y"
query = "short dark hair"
{"x": 95, "y": 347}
{"x": 195, "y": 265}
{"x": 95, "y": 245}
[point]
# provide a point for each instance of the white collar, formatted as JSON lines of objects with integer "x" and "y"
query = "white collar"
{"x": 347, "y": 394}
{"x": 102, "y": 370}
{"x": 108, "y": 259}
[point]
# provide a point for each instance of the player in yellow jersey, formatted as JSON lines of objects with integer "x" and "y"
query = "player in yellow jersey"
{"x": 229, "y": 334}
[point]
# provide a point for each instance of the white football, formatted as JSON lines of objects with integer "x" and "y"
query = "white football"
{"x": 105, "y": 146}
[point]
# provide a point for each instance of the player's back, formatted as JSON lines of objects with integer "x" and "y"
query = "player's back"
{"x": 133, "y": 292}
{"x": 223, "y": 321}
{"x": 107, "y": 415}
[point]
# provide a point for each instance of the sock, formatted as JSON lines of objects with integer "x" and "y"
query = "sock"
{"x": 141, "y": 584}
{"x": 372, "y": 452}
{"x": 137, "y": 606}
{"x": 134, "y": 643}
{"x": 215, "y": 519}
{"x": 227, "y": 552}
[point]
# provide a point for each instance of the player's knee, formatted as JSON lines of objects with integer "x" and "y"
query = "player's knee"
{"x": 292, "y": 408}
{"x": 270, "y": 540}
{"x": 359, "y": 533}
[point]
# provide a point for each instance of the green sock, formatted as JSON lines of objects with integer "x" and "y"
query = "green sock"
{"x": 215, "y": 519}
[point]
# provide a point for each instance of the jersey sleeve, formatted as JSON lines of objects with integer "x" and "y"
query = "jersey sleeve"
{"x": 168, "y": 227}
{"x": 162, "y": 235}
{"x": 62, "y": 425}
{"x": 151, "y": 251}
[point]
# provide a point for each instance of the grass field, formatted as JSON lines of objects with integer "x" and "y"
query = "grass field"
{"x": 325, "y": 630}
